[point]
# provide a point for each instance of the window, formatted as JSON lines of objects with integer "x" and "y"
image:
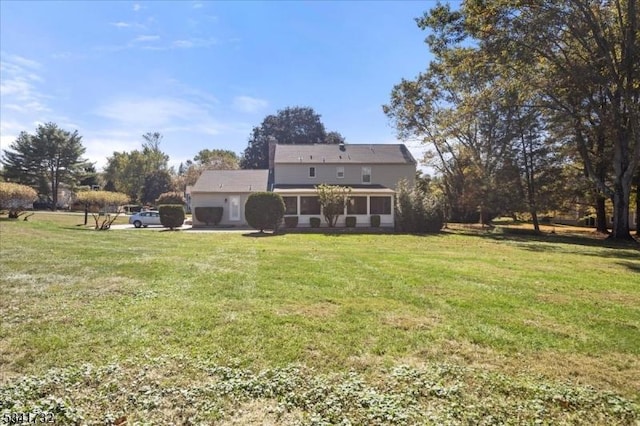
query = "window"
{"x": 290, "y": 205}
{"x": 309, "y": 205}
{"x": 357, "y": 205}
{"x": 312, "y": 172}
{"x": 340, "y": 172}
{"x": 366, "y": 175}
{"x": 380, "y": 205}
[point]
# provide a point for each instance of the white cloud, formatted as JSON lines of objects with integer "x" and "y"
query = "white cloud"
{"x": 193, "y": 42}
{"x": 121, "y": 24}
{"x": 197, "y": 5}
{"x": 102, "y": 144}
{"x": 19, "y": 87}
{"x": 22, "y": 62}
{"x": 249, "y": 104}
{"x": 146, "y": 38}
{"x": 136, "y": 7}
{"x": 159, "y": 114}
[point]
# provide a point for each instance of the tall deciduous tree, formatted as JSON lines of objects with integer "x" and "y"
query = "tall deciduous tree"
{"x": 579, "y": 60}
{"x": 586, "y": 57}
{"x": 155, "y": 184}
{"x": 205, "y": 159}
{"x": 46, "y": 159}
{"x": 460, "y": 110}
{"x": 128, "y": 170}
{"x": 290, "y": 126}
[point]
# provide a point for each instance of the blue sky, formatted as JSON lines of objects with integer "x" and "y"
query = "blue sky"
{"x": 202, "y": 73}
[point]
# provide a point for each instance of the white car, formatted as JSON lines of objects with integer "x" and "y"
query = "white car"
{"x": 145, "y": 219}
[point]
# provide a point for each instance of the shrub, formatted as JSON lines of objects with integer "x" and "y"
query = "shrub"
{"x": 16, "y": 198}
{"x": 171, "y": 215}
{"x": 332, "y": 199}
{"x": 209, "y": 215}
{"x": 99, "y": 202}
{"x": 375, "y": 221}
{"x": 291, "y": 221}
{"x": 417, "y": 212}
{"x": 350, "y": 221}
{"x": 314, "y": 222}
{"x": 264, "y": 210}
{"x": 171, "y": 198}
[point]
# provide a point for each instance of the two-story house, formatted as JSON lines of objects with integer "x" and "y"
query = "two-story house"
{"x": 372, "y": 171}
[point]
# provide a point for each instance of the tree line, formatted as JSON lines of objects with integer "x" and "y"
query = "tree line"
{"x": 529, "y": 105}
{"x": 53, "y": 157}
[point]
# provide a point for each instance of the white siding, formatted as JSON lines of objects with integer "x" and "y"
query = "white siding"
{"x": 203, "y": 199}
{"x": 381, "y": 174}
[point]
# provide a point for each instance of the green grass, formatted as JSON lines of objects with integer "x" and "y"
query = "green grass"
{"x": 518, "y": 318}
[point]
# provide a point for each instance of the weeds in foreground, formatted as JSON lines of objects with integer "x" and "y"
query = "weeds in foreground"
{"x": 157, "y": 390}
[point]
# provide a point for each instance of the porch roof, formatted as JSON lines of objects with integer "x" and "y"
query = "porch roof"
{"x": 355, "y": 189}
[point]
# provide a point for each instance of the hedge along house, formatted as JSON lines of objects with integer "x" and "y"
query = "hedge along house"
{"x": 372, "y": 171}
{"x": 228, "y": 189}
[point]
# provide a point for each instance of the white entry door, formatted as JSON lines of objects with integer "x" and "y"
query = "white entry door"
{"x": 234, "y": 204}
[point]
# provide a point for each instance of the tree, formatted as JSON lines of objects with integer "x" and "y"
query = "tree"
{"x": 16, "y": 198}
{"x": 50, "y": 157}
{"x": 155, "y": 184}
{"x": 206, "y": 159}
{"x": 290, "y": 126}
{"x": 99, "y": 202}
{"x": 333, "y": 199}
{"x": 462, "y": 113}
{"x": 587, "y": 71}
{"x": 217, "y": 159}
{"x": 128, "y": 170}
{"x": 155, "y": 159}
{"x": 264, "y": 210}
{"x": 89, "y": 176}
{"x": 575, "y": 62}
{"x": 416, "y": 211}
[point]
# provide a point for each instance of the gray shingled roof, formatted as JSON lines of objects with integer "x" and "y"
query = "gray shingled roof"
{"x": 351, "y": 153}
{"x": 232, "y": 181}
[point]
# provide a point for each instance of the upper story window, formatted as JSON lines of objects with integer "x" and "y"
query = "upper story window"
{"x": 340, "y": 172}
{"x": 312, "y": 172}
{"x": 366, "y": 175}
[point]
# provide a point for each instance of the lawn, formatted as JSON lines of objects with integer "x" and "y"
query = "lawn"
{"x": 464, "y": 327}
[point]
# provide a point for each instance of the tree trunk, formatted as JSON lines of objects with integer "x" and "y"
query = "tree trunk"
{"x": 534, "y": 218}
{"x": 86, "y": 214}
{"x": 638, "y": 207}
{"x": 620, "y": 230}
{"x": 601, "y": 215}
{"x": 54, "y": 192}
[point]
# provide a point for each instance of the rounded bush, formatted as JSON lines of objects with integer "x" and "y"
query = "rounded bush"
{"x": 314, "y": 222}
{"x": 291, "y": 221}
{"x": 264, "y": 210}
{"x": 171, "y": 215}
{"x": 209, "y": 215}
{"x": 171, "y": 198}
{"x": 350, "y": 221}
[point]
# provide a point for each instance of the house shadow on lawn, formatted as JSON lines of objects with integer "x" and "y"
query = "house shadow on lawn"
{"x": 633, "y": 267}
{"x": 258, "y": 234}
{"x": 550, "y": 242}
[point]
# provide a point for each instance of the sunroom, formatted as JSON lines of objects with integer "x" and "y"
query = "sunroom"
{"x": 364, "y": 202}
